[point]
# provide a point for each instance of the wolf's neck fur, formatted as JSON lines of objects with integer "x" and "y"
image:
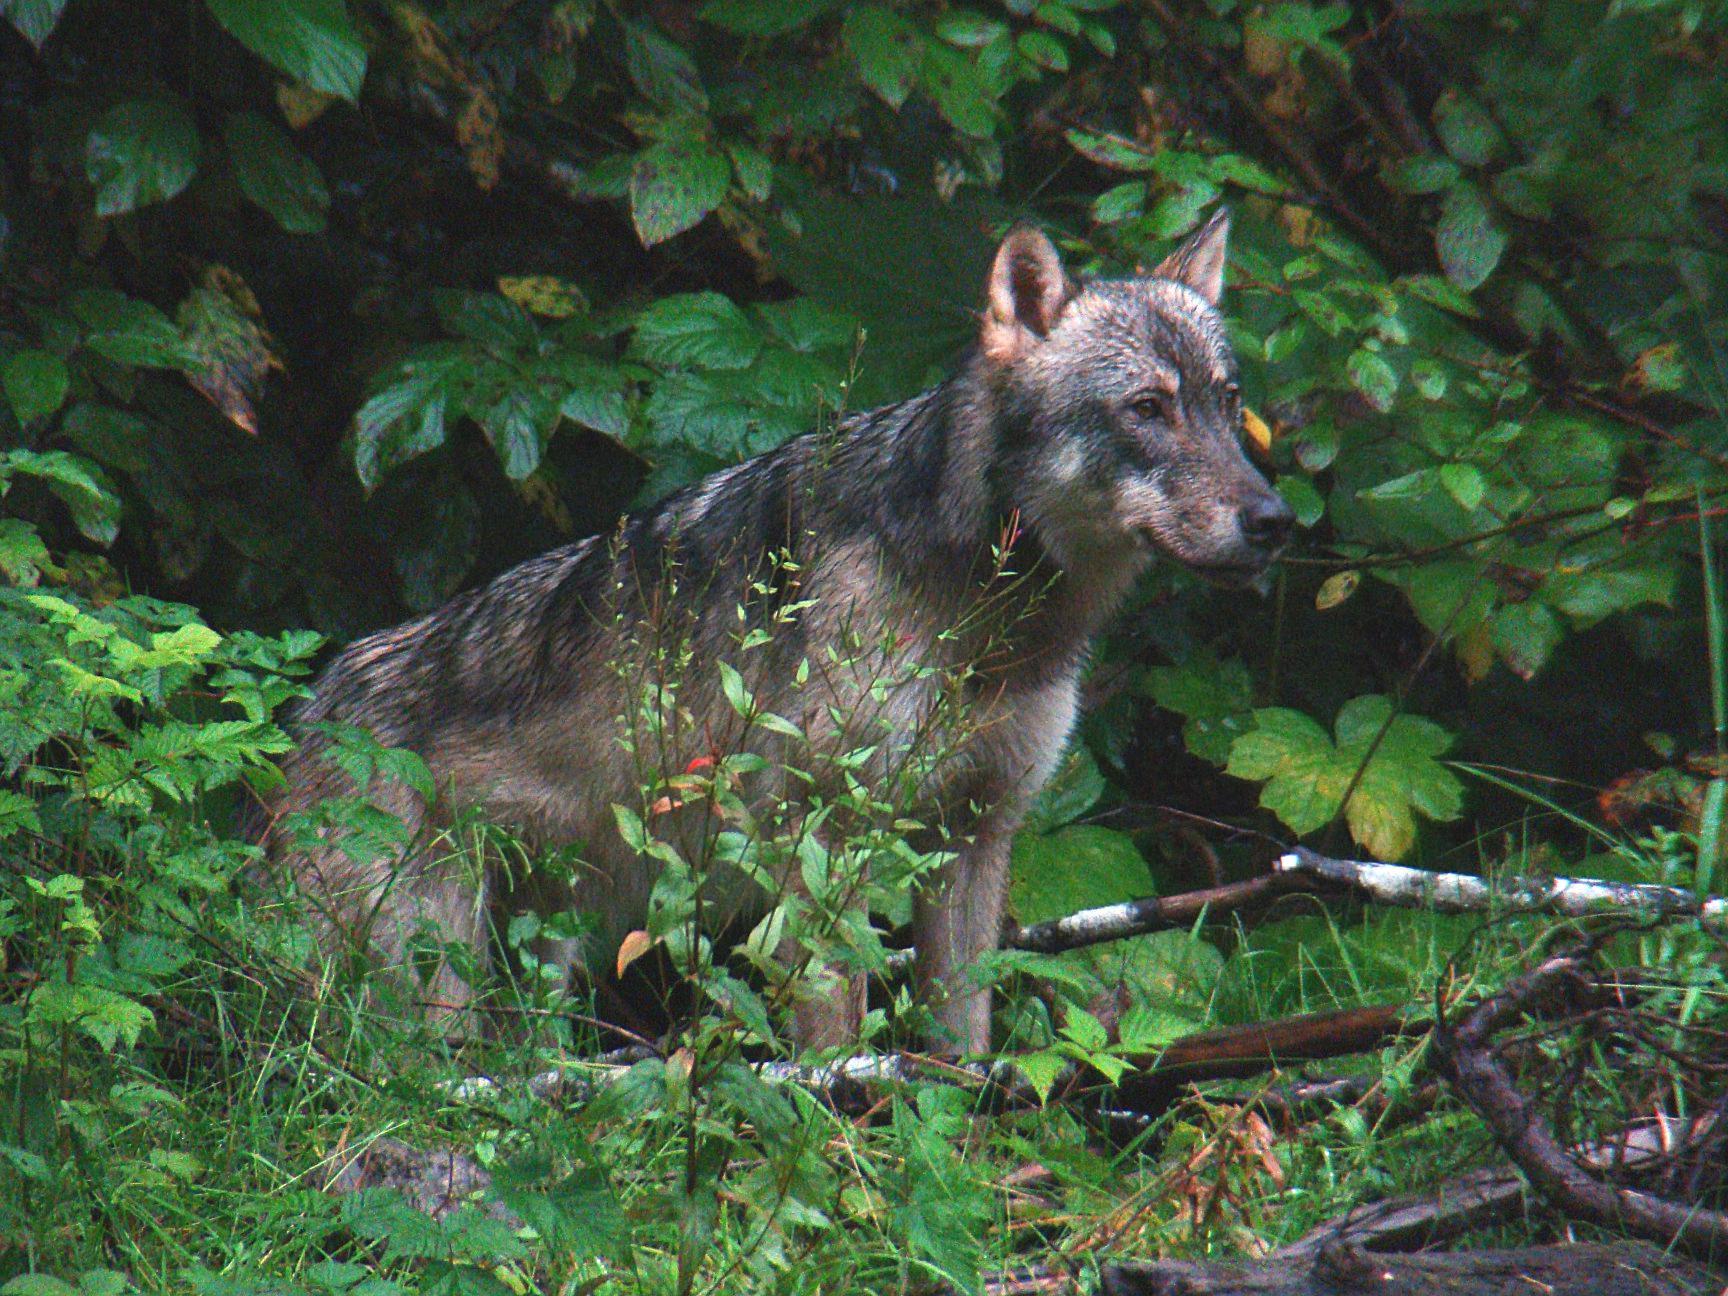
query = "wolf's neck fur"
{"x": 932, "y": 481}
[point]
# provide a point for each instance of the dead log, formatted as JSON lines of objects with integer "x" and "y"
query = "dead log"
{"x": 1581, "y": 1269}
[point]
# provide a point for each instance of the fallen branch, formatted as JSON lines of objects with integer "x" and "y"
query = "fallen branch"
{"x": 1466, "y": 1055}
{"x": 1582, "y": 1269}
{"x": 1154, "y": 913}
{"x": 1410, "y": 888}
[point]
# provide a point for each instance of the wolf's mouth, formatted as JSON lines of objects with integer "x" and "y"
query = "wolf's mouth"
{"x": 1221, "y": 572}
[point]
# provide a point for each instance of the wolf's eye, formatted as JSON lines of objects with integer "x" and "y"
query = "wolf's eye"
{"x": 1151, "y": 406}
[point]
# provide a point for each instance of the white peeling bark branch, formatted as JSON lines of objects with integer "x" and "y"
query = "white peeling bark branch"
{"x": 1412, "y": 888}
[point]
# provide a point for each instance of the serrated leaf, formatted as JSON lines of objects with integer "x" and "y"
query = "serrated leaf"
{"x": 1468, "y": 240}
{"x": 229, "y": 352}
{"x": 313, "y": 41}
{"x": 274, "y": 174}
{"x": 887, "y": 49}
{"x": 141, "y": 151}
{"x": 79, "y": 484}
{"x": 673, "y": 185}
{"x": 704, "y": 330}
{"x": 661, "y": 70}
{"x": 36, "y": 383}
{"x": 545, "y": 295}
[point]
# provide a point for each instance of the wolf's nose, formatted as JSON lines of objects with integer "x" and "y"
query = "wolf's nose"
{"x": 1266, "y": 520}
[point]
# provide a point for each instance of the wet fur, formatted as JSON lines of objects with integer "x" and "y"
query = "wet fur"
{"x": 513, "y": 692}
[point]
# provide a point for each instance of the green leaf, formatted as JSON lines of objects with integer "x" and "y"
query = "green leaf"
{"x": 968, "y": 28}
{"x": 1525, "y": 636}
{"x": 1111, "y": 151}
{"x": 1043, "y": 50}
{"x": 1071, "y": 791}
{"x": 1464, "y": 483}
{"x": 1422, "y": 175}
{"x": 35, "y": 19}
{"x": 1373, "y": 377}
{"x": 35, "y": 383}
{"x": 1468, "y": 240}
{"x": 1074, "y": 868}
{"x": 276, "y": 175}
{"x": 519, "y": 424}
{"x": 141, "y": 151}
{"x": 406, "y": 417}
{"x": 79, "y": 484}
{"x": 887, "y": 49}
{"x": 313, "y": 41}
{"x": 593, "y": 393}
{"x": 662, "y": 72}
{"x": 703, "y": 329}
{"x": 674, "y": 185}
{"x": 23, "y": 556}
{"x": 1215, "y": 696}
{"x": 1466, "y": 129}
{"x": 128, "y": 331}
{"x": 38, "y": 1284}
{"x": 958, "y": 92}
{"x": 1307, "y": 774}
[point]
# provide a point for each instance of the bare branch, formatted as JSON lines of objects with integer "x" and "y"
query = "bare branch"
{"x": 1411, "y": 888}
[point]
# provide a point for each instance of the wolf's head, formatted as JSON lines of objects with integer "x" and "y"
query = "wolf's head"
{"x": 1121, "y": 416}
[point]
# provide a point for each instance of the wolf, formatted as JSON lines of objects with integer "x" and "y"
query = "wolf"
{"x": 951, "y": 555}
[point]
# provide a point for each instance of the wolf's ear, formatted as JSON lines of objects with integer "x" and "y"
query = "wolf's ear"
{"x": 1028, "y": 289}
{"x": 1199, "y": 262}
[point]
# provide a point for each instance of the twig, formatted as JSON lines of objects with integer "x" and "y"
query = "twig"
{"x": 1410, "y": 888}
{"x": 1466, "y": 1054}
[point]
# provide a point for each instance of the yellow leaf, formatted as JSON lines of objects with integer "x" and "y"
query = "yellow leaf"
{"x": 1337, "y": 588}
{"x": 232, "y": 352}
{"x": 1259, "y": 433}
{"x": 1298, "y": 223}
{"x": 545, "y": 295}
{"x": 1475, "y": 651}
{"x": 481, "y": 136}
{"x": 634, "y": 946}
{"x": 301, "y": 105}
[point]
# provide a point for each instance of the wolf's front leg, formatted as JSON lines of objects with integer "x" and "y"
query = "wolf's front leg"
{"x": 959, "y": 917}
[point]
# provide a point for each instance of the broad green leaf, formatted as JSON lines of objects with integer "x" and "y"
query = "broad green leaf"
{"x": 887, "y": 49}
{"x": 519, "y": 424}
{"x": 1466, "y": 129}
{"x": 703, "y": 329}
{"x": 23, "y": 556}
{"x": 674, "y": 185}
{"x": 1216, "y": 698}
{"x": 35, "y": 382}
{"x": 141, "y": 151}
{"x": 1373, "y": 377}
{"x": 1043, "y": 50}
{"x": 1072, "y": 790}
{"x": 128, "y": 331}
{"x": 969, "y": 29}
{"x": 406, "y": 417}
{"x": 313, "y": 41}
{"x": 1525, "y": 636}
{"x": 1074, "y": 868}
{"x": 35, "y": 19}
{"x": 957, "y": 90}
{"x": 1111, "y": 151}
{"x": 592, "y": 393}
{"x": 79, "y": 484}
{"x": 1468, "y": 239}
{"x": 662, "y": 71}
{"x": 1464, "y": 483}
{"x": 276, "y": 175}
{"x": 1307, "y": 774}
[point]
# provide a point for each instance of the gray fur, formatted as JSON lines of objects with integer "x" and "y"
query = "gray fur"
{"x": 1096, "y": 425}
